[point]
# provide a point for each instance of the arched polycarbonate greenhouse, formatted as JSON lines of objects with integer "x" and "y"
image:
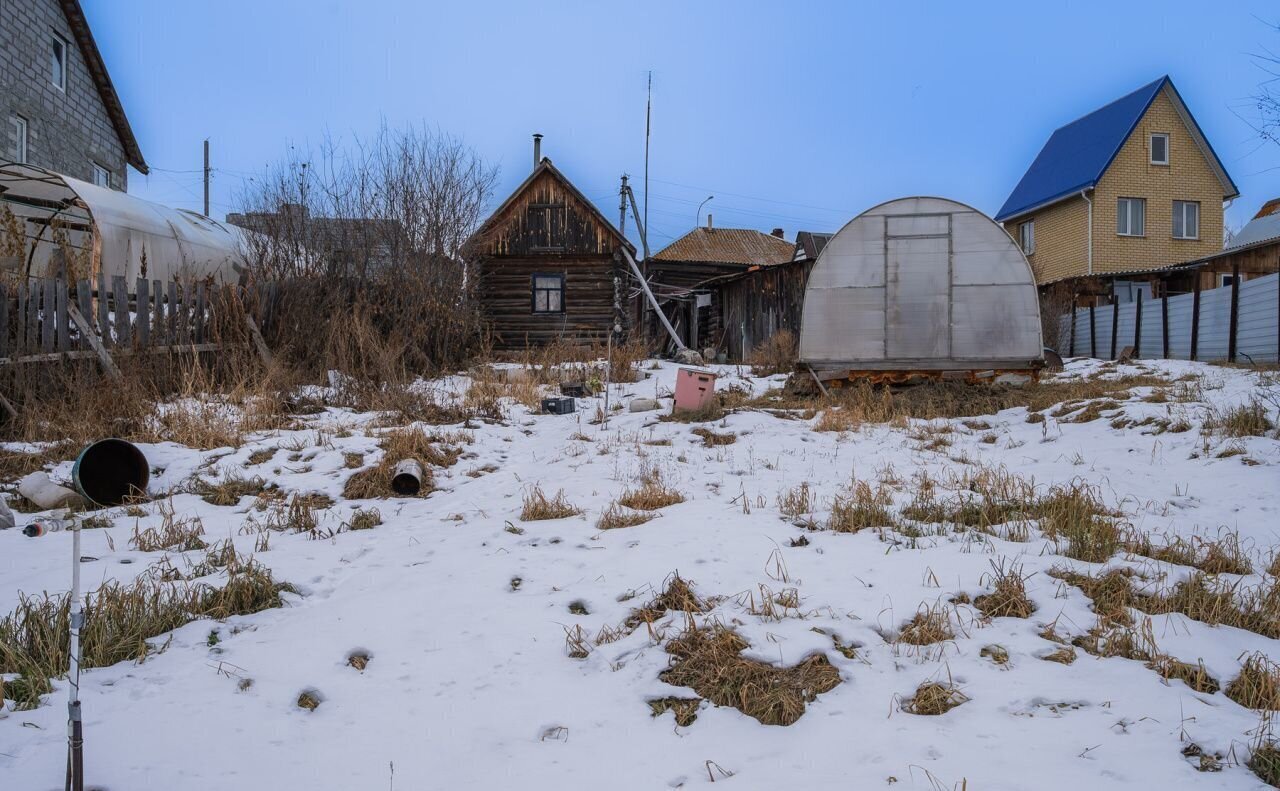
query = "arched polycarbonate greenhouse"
{"x": 65, "y": 224}
{"x": 921, "y": 284}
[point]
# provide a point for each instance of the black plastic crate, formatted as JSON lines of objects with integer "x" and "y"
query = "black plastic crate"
{"x": 557, "y": 406}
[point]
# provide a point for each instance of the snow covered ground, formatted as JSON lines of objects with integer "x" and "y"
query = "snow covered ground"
{"x": 463, "y": 610}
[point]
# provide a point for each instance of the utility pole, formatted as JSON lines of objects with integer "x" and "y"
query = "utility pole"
{"x": 622, "y": 207}
{"x": 648, "y": 109}
{"x": 206, "y": 177}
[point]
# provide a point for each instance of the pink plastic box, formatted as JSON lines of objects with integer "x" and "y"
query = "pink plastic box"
{"x": 695, "y": 388}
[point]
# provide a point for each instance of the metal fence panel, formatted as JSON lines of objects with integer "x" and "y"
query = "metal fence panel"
{"x": 1256, "y": 331}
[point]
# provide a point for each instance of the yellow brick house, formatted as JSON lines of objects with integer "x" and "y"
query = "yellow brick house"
{"x": 1130, "y": 188}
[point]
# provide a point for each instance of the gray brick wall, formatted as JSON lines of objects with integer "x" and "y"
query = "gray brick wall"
{"x": 66, "y": 131}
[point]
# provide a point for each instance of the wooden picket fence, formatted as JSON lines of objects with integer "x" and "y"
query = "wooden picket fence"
{"x": 48, "y": 321}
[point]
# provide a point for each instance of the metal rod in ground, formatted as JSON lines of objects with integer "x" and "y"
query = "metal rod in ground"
{"x": 75, "y": 732}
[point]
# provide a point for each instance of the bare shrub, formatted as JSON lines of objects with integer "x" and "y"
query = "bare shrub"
{"x": 777, "y": 355}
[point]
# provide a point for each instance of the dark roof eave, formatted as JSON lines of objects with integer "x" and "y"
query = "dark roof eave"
{"x": 106, "y": 90}
{"x": 1059, "y": 198}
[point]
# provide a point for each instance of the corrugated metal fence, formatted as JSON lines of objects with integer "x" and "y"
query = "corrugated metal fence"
{"x": 1240, "y": 323}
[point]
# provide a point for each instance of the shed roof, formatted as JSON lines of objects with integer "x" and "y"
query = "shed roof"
{"x": 1079, "y": 153}
{"x": 809, "y": 244}
{"x": 741, "y": 246}
{"x": 1264, "y": 225}
{"x": 102, "y": 80}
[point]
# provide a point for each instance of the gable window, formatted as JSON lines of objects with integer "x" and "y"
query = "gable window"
{"x": 548, "y": 293}
{"x": 1186, "y": 219}
{"x": 1027, "y": 237}
{"x": 20, "y": 151}
{"x": 58, "y": 61}
{"x": 1160, "y": 149}
{"x": 1225, "y": 281}
{"x": 101, "y": 176}
{"x": 1131, "y": 216}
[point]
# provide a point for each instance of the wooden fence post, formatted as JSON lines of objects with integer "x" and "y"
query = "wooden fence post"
{"x": 61, "y": 298}
{"x": 1234, "y": 325}
{"x": 1137, "y": 326}
{"x": 1115, "y": 320}
{"x": 20, "y": 338}
{"x": 104, "y": 312}
{"x": 47, "y": 328}
{"x": 4, "y": 320}
{"x": 120, "y": 301}
{"x": 157, "y": 324}
{"x": 1195, "y": 318}
{"x": 1071, "y": 345}
{"x": 1093, "y": 332}
{"x": 144, "y": 313}
{"x": 1164, "y": 321}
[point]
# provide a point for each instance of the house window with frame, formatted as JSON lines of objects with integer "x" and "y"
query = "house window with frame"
{"x": 548, "y": 293}
{"x": 20, "y": 142}
{"x": 101, "y": 176}
{"x": 1226, "y": 281}
{"x": 1159, "y": 148}
{"x": 1027, "y": 237}
{"x": 58, "y": 61}
{"x": 1186, "y": 219}
{"x": 1131, "y": 216}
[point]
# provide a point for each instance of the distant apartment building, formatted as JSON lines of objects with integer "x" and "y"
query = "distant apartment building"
{"x": 58, "y": 108}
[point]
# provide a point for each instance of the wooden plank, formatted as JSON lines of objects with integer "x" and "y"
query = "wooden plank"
{"x": 144, "y": 313}
{"x": 104, "y": 357}
{"x": 173, "y": 312}
{"x": 120, "y": 303}
{"x": 4, "y": 320}
{"x": 88, "y": 354}
{"x": 258, "y": 342}
{"x": 33, "y": 315}
{"x": 20, "y": 336}
{"x": 62, "y": 300}
{"x": 104, "y": 312}
{"x": 1233, "y": 326}
{"x": 200, "y": 308}
{"x": 48, "y": 303}
{"x": 84, "y": 298}
{"x": 157, "y": 324}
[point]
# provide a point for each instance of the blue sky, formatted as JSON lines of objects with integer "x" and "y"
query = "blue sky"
{"x": 796, "y": 115}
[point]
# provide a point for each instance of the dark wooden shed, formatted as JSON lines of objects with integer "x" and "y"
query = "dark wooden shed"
{"x": 550, "y": 267}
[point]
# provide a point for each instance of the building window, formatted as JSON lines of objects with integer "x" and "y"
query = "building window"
{"x": 58, "y": 61}
{"x": 101, "y": 176}
{"x": 20, "y": 151}
{"x": 1225, "y": 281}
{"x": 1131, "y": 216}
{"x": 1160, "y": 149}
{"x": 1186, "y": 219}
{"x": 1027, "y": 237}
{"x": 548, "y": 293}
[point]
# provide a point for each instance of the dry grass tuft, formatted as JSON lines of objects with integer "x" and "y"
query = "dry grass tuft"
{"x": 684, "y": 709}
{"x": 429, "y": 449}
{"x": 1224, "y": 555}
{"x": 1195, "y": 676}
{"x": 651, "y": 495}
{"x": 933, "y": 699}
{"x": 176, "y": 534}
{"x": 710, "y": 662}
{"x": 930, "y": 624}
{"x": 120, "y": 619}
{"x": 797, "y": 502}
{"x": 358, "y": 659}
{"x": 711, "y": 439}
{"x": 1245, "y": 420}
{"x": 677, "y": 594}
{"x": 859, "y": 508}
{"x": 1258, "y": 684}
{"x": 1112, "y": 593}
{"x": 309, "y": 699}
{"x": 537, "y": 506}
{"x": 776, "y": 355}
{"x": 230, "y": 489}
{"x": 615, "y": 516}
{"x": 1009, "y": 599}
{"x": 364, "y": 519}
{"x": 1063, "y": 656}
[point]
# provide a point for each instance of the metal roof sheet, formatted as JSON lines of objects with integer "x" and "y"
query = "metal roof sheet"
{"x": 728, "y": 246}
{"x": 1079, "y": 153}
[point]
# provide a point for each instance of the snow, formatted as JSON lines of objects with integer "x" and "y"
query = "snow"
{"x": 469, "y": 684}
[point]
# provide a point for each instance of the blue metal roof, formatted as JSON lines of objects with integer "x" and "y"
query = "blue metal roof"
{"x": 1079, "y": 153}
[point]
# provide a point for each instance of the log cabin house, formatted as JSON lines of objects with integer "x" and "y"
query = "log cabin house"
{"x": 550, "y": 267}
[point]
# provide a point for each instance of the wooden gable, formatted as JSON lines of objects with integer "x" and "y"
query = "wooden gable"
{"x": 547, "y": 215}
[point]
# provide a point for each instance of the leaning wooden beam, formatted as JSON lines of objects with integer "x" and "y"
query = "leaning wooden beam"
{"x": 95, "y": 343}
{"x": 258, "y": 340}
{"x": 635, "y": 270}
{"x": 54, "y": 357}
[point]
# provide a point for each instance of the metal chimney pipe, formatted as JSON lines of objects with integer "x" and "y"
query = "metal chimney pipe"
{"x": 709, "y": 228}
{"x": 537, "y": 149}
